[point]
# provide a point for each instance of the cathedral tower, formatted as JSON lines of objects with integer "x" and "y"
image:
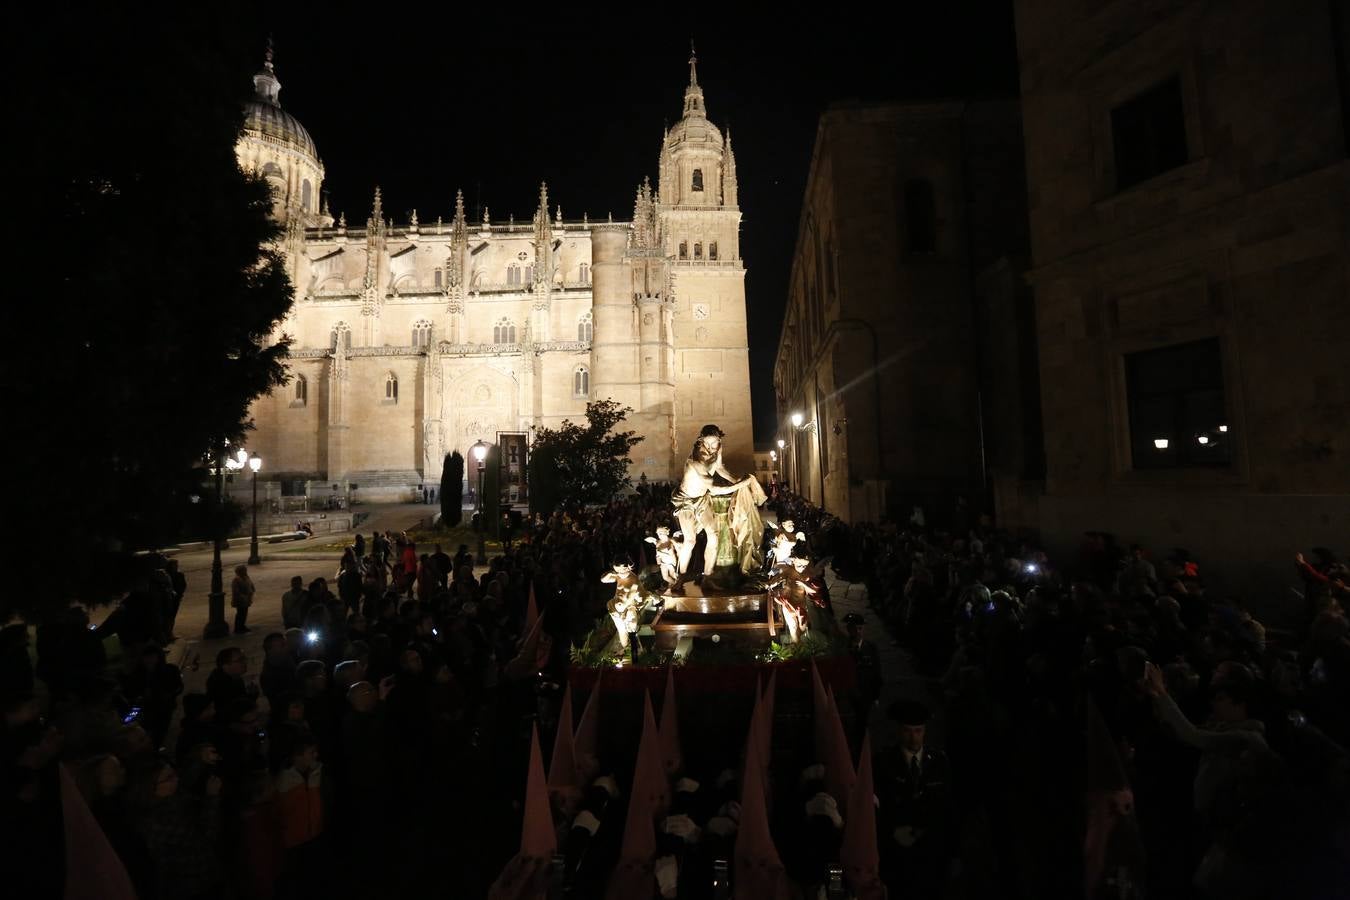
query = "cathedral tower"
{"x": 699, "y": 222}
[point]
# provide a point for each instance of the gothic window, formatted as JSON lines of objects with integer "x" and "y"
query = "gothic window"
{"x": 504, "y": 332}
{"x": 581, "y": 382}
{"x": 513, "y": 274}
{"x": 421, "y": 333}
{"x": 698, "y": 179}
{"x": 698, "y": 250}
{"x": 920, "y": 211}
{"x": 305, "y": 193}
{"x": 390, "y": 388}
{"x": 584, "y": 327}
{"x": 684, "y": 249}
{"x": 301, "y": 391}
{"x": 712, "y": 250}
{"x": 438, "y": 277}
{"x": 585, "y": 274}
{"x": 341, "y": 334}
{"x": 529, "y": 274}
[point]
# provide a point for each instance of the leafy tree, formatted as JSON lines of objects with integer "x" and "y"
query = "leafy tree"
{"x": 159, "y": 255}
{"x": 577, "y": 465}
{"x": 492, "y": 491}
{"x": 452, "y": 486}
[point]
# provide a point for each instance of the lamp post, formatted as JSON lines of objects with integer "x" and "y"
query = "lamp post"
{"x": 782, "y": 452}
{"x": 480, "y": 450}
{"x": 216, "y": 626}
{"x": 254, "y": 463}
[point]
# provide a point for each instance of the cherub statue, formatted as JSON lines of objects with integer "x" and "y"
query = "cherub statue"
{"x": 667, "y": 553}
{"x": 785, "y": 541}
{"x": 623, "y": 609}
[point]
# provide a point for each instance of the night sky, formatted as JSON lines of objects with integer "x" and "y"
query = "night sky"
{"x": 494, "y": 106}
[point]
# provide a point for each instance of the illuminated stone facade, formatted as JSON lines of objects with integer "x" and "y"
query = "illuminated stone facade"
{"x": 414, "y": 339}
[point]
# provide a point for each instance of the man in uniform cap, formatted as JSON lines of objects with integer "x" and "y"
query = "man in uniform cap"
{"x": 917, "y": 811}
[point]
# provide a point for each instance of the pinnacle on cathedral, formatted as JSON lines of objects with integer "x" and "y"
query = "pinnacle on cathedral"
{"x": 693, "y": 95}
{"x": 377, "y": 208}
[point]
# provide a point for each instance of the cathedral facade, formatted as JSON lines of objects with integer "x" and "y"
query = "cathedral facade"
{"x": 412, "y": 340}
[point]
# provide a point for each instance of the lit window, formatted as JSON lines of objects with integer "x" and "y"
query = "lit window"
{"x": 390, "y": 388}
{"x": 698, "y": 179}
{"x": 581, "y": 382}
{"x": 1177, "y": 406}
{"x": 504, "y": 332}
{"x": 584, "y": 327}
{"x": 301, "y": 391}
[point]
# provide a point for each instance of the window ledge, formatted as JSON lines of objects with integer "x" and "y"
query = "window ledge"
{"x": 1158, "y": 185}
{"x": 1183, "y": 477}
{"x": 389, "y": 402}
{"x": 297, "y": 404}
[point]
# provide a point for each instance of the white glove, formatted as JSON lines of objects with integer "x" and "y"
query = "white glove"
{"x": 609, "y": 784}
{"x": 686, "y": 786}
{"x": 667, "y": 875}
{"x": 681, "y": 826}
{"x": 721, "y": 826}
{"x": 587, "y": 820}
{"x": 813, "y": 773}
{"x": 731, "y": 809}
{"x": 822, "y": 804}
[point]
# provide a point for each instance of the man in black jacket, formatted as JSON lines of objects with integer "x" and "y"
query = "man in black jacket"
{"x": 917, "y": 808}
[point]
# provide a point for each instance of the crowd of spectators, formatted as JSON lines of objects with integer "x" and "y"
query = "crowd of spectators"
{"x": 380, "y": 748}
{"x": 1225, "y": 769}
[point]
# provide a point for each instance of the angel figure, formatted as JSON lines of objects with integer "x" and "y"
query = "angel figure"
{"x": 667, "y": 553}
{"x": 785, "y": 541}
{"x": 623, "y": 609}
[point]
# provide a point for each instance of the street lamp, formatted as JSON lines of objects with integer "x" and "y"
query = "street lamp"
{"x": 480, "y": 450}
{"x": 221, "y": 462}
{"x": 797, "y": 419}
{"x": 254, "y": 463}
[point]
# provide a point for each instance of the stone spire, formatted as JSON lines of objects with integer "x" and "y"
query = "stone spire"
{"x": 644, "y": 217}
{"x": 729, "y": 190}
{"x": 543, "y": 242}
{"x": 376, "y": 211}
{"x": 265, "y": 83}
{"x": 459, "y": 228}
{"x": 693, "y": 95}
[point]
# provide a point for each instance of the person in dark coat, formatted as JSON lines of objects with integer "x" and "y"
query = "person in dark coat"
{"x": 867, "y": 665}
{"x": 917, "y": 810}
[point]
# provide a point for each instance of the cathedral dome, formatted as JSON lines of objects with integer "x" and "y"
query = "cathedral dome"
{"x": 265, "y": 119}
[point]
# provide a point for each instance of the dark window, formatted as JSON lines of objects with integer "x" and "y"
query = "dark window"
{"x": 698, "y": 179}
{"x": 1177, "y": 409}
{"x": 920, "y": 216}
{"x": 1148, "y": 133}
{"x": 712, "y": 250}
{"x": 305, "y": 194}
{"x": 684, "y": 249}
{"x": 698, "y": 250}
{"x": 438, "y": 278}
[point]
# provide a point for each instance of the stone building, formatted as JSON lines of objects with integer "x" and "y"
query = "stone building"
{"x": 413, "y": 339}
{"x": 1190, "y": 190}
{"x": 907, "y": 348}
